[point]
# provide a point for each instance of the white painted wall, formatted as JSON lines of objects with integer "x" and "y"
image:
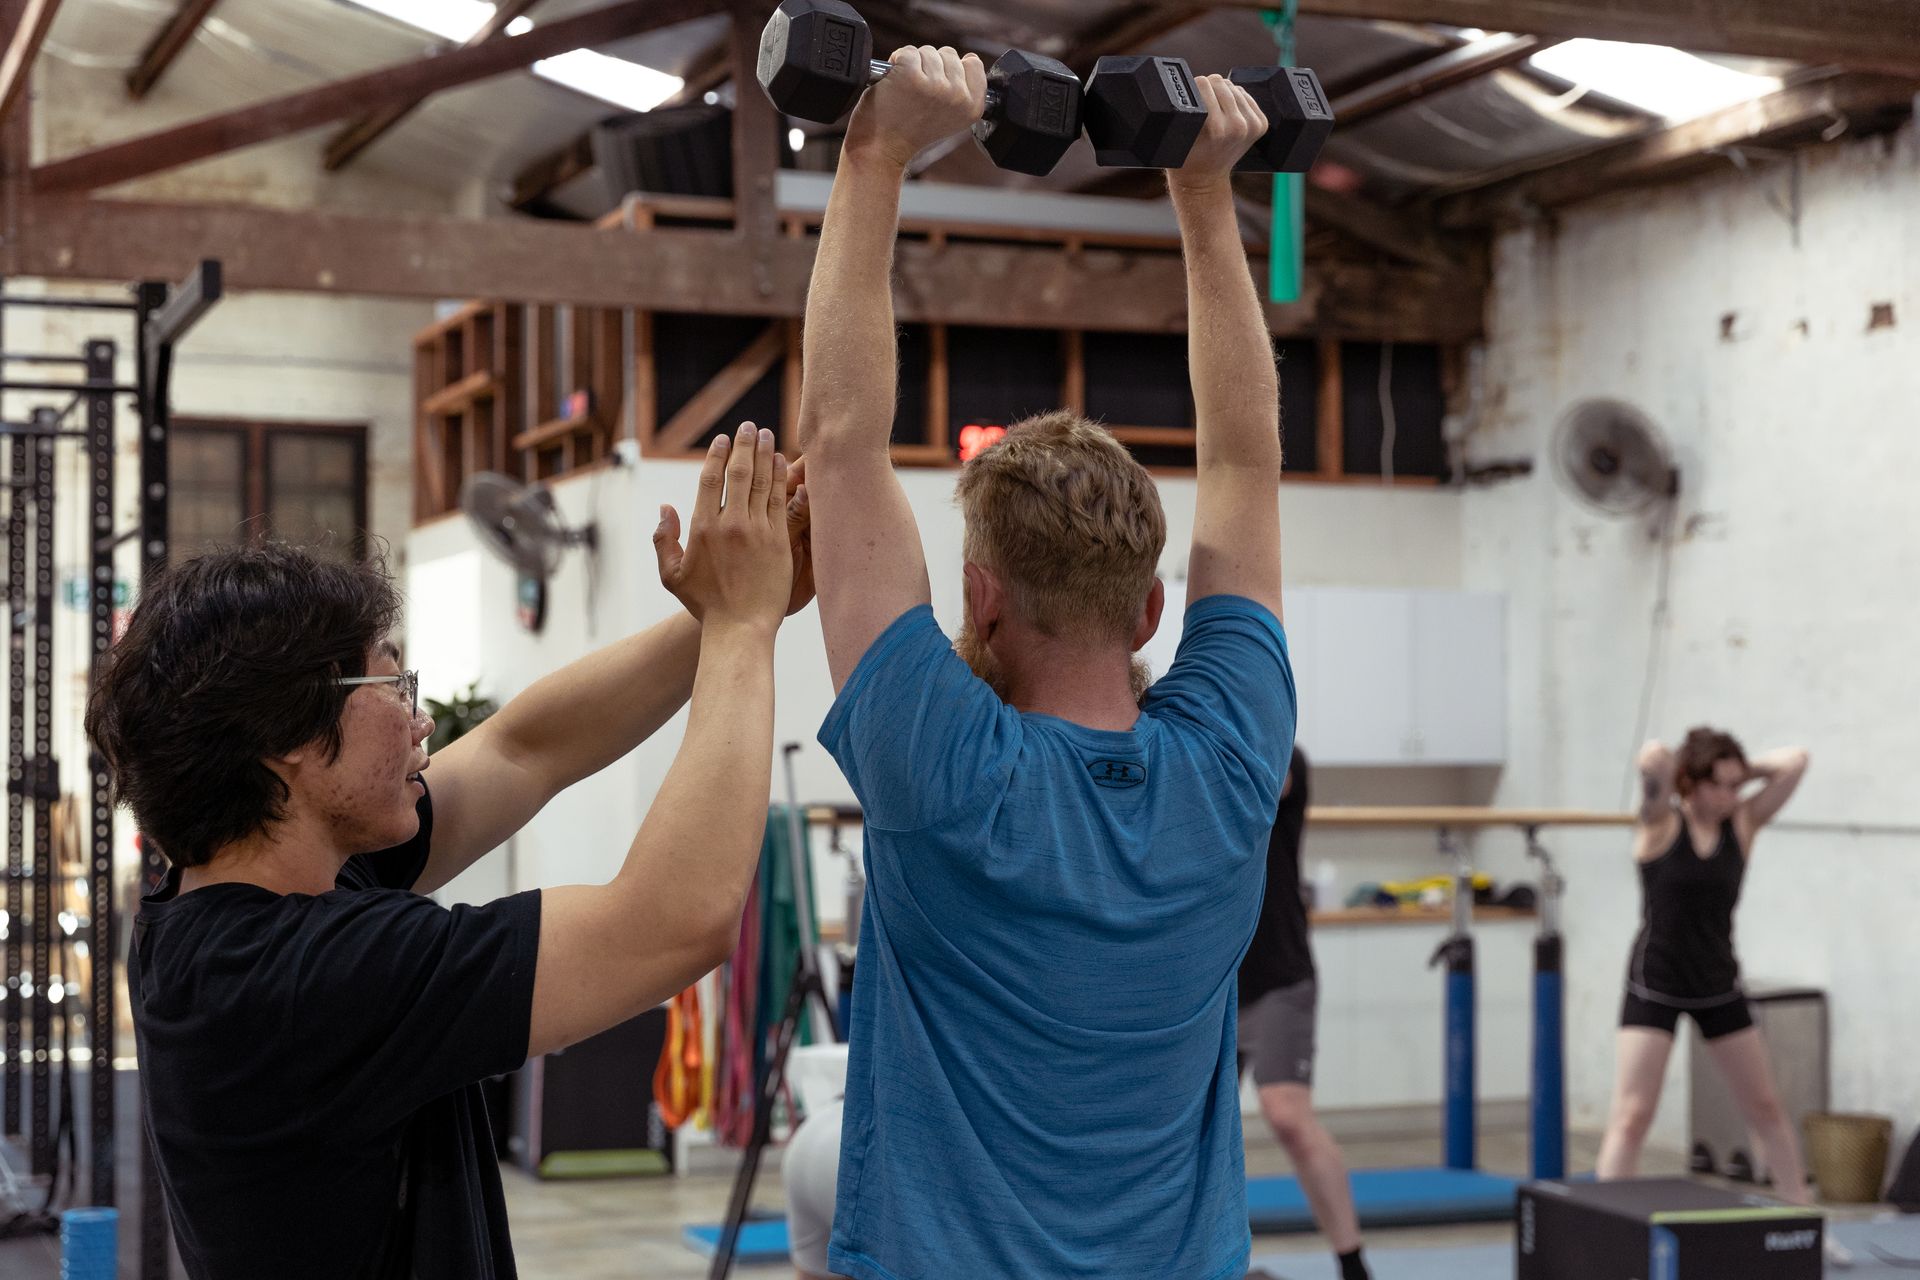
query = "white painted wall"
{"x": 1793, "y": 604}
{"x": 1334, "y": 535}
{"x": 1349, "y": 535}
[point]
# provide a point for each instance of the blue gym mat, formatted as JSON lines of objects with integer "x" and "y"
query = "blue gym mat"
{"x": 759, "y": 1241}
{"x": 1384, "y": 1197}
{"x": 1390, "y": 1198}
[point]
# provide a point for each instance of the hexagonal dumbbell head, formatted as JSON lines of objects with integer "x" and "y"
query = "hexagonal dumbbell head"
{"x": 1143, "y": 112}
{"x": 1299, "y": 118}
{"x": 814, "y": 57}
{"x": 1033, "y": 112}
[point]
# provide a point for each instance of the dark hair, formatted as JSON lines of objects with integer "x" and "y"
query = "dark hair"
{"x": 228, "y": 660}
{"x": 1296, "y": 796}
{"x": 1703, "y": 749}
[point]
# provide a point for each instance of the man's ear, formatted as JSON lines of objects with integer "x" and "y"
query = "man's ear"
{"x": 986, "y": 598}
{"x": 1149, "y": 623}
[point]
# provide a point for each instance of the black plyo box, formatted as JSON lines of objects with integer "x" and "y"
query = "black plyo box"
{"x": 1661, "y": 1229}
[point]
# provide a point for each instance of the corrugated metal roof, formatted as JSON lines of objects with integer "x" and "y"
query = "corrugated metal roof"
{"x": 255, "y": 49}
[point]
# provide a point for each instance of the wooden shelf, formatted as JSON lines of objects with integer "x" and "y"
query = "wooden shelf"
{"x": 1176, "y": 436}
{"x": 550, "y": 432}
{"x": 1346, "y": 916}
{"x": 1461, "y": 816}
{"x": 460, "y": 395}
{"x": 447, "y": 324}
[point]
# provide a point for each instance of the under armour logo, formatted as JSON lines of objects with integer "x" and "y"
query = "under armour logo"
{"x": 1117, "y": 773}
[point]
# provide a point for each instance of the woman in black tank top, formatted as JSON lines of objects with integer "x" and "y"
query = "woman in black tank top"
{"x": 1694, "y": 836}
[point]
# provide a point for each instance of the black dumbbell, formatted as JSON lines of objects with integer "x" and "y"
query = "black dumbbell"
{"x": 816, "y": 59}
{"x": 1299, "y": 118}
{"x": 1145, "y": 112}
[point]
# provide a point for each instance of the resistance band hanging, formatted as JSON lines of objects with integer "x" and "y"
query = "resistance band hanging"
{"x": 1286, "y": 258}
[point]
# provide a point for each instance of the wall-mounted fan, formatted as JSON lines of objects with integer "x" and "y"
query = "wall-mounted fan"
{"x": 1612, "y": 457}
{"x": 519, "y": 523}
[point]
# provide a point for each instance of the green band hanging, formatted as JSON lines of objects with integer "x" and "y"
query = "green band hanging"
{"x": 1286, "y": 256}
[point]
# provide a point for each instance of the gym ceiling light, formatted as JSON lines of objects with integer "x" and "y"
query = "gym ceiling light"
{"x": 614, "y": 80}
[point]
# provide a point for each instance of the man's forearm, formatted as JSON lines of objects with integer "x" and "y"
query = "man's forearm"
{"x": 713, "y": 799}
{"x": 1229, "y": 351}
{"x": 848, "y": 357}
{"x": 583, "y": 717}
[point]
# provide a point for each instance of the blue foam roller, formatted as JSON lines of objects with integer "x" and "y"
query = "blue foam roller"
{"x": 759, "y": 1241}
{"x": 1389, "y": 1198}
{"x": 89, "y": 1244}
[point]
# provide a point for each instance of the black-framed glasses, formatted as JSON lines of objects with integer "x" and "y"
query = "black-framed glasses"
{"x": 409, "y": 682}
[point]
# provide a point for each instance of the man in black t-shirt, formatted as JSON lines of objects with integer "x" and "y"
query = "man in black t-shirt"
{"x": 312, "y": 1030}
{"x": 1278, "y": 1003}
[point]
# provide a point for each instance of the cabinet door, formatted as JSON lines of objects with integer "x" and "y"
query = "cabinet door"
{"x": 1361, "y": 678}
{"x": 1459, "y": 643}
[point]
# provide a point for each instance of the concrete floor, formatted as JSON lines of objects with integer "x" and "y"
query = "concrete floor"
{"x": 629, "y": 1229}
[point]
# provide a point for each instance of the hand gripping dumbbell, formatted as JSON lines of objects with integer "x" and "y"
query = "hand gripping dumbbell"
{"x": 1145, "y": 112}
{"x": 816, "y": 59}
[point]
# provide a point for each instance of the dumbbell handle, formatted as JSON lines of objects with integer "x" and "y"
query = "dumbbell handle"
{"x": 877, "y": 71}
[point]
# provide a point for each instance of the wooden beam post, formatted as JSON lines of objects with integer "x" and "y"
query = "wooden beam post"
{"x": 757, "y": 142}
{"x": 363, "y": 132}
{"x": 700, "y": 414}
{"x": 939, "y": 391}
{"x": 1073, "y": 363}
{"x": 16, "y": 66}
{"x": 278, "y": 117}
{"x": 1330, "y": 431}
{"x": 167, "y": 44}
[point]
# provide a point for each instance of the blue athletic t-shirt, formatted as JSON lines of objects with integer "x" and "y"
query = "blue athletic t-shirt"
{"x": 1042, "y": 1075}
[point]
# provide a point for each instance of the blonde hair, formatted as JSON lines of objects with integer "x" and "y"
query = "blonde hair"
{"x": 1069, "y": 521}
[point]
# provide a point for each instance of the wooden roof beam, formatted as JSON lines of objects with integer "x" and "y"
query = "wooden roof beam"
{"x": 1866, "y": 35}
{"x": 362, "y": 133}
{"x": 16, "y": 66}
{"x": 278, "y": 117}
{"x": 1794, "y": 113}
{"x": 1442, "y": 71}
{"x": 531, "y": 260}
{"x": 167, "y": 44}
{"x": 710, "y": 68}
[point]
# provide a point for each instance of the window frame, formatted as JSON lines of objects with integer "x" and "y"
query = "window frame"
{"x": 256, "y": 435}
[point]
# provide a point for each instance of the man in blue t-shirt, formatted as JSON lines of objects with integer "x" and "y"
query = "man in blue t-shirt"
{"x": 1062, "y": 872}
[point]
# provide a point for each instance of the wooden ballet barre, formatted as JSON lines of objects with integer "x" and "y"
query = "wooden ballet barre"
{"x": 1458, "y": 816}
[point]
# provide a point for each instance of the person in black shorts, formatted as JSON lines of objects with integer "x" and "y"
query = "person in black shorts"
{"x": 312, "y": 1029}
{"x": 1278, "y": 1002}
{"x": 1692, "y": 841}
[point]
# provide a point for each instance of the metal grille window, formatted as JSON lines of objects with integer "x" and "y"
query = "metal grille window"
{"x": 236, "y": 482}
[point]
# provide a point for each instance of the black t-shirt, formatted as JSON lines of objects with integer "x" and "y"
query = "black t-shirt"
{"x": 312, "y": 1068}
{"x": 1279, "y": 955}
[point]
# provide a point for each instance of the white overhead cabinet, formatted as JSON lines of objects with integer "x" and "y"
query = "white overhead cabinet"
{"x": 1388, "y": 676}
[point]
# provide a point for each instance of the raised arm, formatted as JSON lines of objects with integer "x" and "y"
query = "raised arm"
{"x": 1656, "y": 784}
{"x": 570, "y": 725}
{"x": 1236, "y": 393}
{"x": 1779, "y": 773}
{"x": 609, "y": 951}
{"x": 867, "y": 557}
